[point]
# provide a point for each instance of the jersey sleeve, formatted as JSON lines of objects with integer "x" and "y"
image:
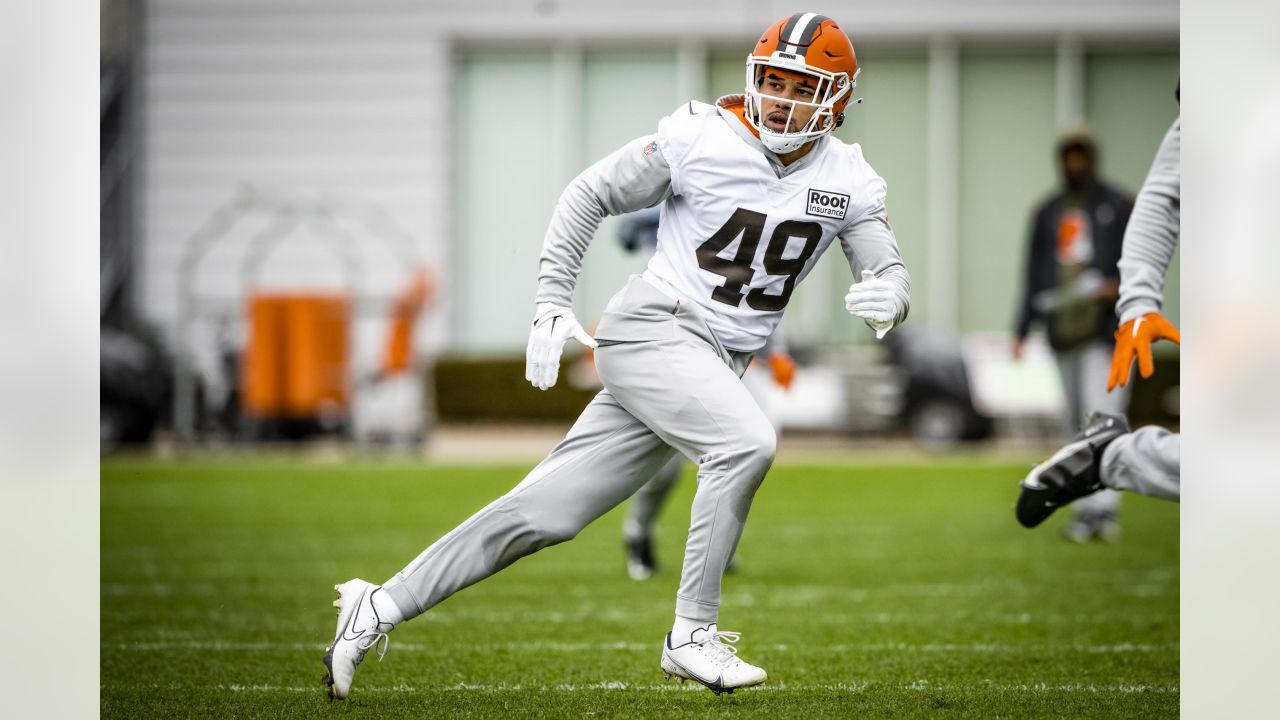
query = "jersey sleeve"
{"x": 868, "y": 190}
{"x": 869, "y": 244}
{"x": 1152, "y": 233}
{"x": 634, "y": 177}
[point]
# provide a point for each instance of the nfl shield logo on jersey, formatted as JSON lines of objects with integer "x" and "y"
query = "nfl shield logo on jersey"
{"x": 827, "y": 204}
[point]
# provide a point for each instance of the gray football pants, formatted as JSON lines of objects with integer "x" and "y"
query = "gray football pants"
{"x": 669, "y": 383}
{"x": 1084, "y": 372}
{"x": 642, "y": 511}
{"x": 1147, "y": 461}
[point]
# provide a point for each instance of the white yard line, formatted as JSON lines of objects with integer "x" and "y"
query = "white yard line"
{"x": 563, "y": 647}
{"x": 851, "y": 687}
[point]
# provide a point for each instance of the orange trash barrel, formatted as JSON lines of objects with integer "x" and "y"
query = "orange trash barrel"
{"x": 296, "y": 363}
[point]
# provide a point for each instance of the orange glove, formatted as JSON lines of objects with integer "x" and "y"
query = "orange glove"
{"x": 1135, "y": 338}
{"x": 784, "y": 369}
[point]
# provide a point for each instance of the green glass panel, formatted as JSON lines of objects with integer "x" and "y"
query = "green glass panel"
{"x": 1007, "y": 137}
{"x": 625, "y": 94}
{"x": 1131, "y": 105}
{"x": 504, "y": 192}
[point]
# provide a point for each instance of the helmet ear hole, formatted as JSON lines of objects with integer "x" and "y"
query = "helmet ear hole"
{"x": 840, "y": 120}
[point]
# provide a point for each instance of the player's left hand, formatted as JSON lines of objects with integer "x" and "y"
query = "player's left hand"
{"x": 1135, "y": 338}
{"x": 552, "y": 327}
{"x": 875, "y": 301}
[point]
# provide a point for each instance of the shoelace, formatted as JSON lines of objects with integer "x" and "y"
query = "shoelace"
{"x": 722, "y": 649}
{"x": 373, "y": 639}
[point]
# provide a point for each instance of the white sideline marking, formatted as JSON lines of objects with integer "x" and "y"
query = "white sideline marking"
{"x": 852, "y": 687}
{"x": 1156, "y": 585}
{"x": 471, "y": 617}
{"x": 536, "y": 646}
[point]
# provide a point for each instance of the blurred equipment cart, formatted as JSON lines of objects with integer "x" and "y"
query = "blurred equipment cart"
{"x": 287, "y": 357}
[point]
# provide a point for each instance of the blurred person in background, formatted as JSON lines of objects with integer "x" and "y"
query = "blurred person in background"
{"x": 753, "y": 190}
{"x": 1106, "y": 455}
{"x": 639, "y": 232}
{"x": 1070, "y": 286}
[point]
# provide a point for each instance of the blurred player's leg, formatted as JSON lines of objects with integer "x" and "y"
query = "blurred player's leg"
{"x": 1068, "y": 362}
{"x": 1146, "y": 461}
{"x": 642, "y": 514}
{"x": 1084, "y": 371}
{"x": 1097, "y": 514}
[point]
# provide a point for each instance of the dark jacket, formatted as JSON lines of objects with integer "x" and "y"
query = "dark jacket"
{"x": 1108, "y": 211}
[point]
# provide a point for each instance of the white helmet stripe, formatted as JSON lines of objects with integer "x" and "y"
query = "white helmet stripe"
{"x": 799, "y": 33}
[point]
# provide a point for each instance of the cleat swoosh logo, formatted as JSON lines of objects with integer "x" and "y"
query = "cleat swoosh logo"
{"x": 351, "y": 621}
{"x": 709, "y": 683}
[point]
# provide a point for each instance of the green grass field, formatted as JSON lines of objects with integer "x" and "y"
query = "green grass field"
{"x": 864, "y": 592}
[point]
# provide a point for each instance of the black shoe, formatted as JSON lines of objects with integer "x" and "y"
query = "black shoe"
{"x": 1071, "y": 473}
{"x": 640, "y": 563}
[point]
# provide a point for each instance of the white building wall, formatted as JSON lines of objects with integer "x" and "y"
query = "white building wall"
{"x": 322, "y": 104}
{"x": 326, "y": 101}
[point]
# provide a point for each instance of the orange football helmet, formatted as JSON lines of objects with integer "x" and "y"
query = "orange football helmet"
{"x": 814, "y": 46}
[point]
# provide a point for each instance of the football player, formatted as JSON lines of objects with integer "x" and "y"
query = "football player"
{"x": 753, "y": 189}
{"x": 1105, "y": 454}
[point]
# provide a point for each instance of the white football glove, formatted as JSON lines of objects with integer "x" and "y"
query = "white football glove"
{"x": 552, "y": 327}
{"x": 875, "y": 301}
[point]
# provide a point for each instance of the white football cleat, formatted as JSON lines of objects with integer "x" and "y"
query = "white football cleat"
{"x": 359, "y": 628}
{"x": 711, "y": 659}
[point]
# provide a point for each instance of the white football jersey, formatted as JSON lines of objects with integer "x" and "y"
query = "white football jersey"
{"x": 734, "y": 238}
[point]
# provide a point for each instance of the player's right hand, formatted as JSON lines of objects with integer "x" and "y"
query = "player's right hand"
{"x": 1135, "y": 338}
{"x": 552, "y": 327}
